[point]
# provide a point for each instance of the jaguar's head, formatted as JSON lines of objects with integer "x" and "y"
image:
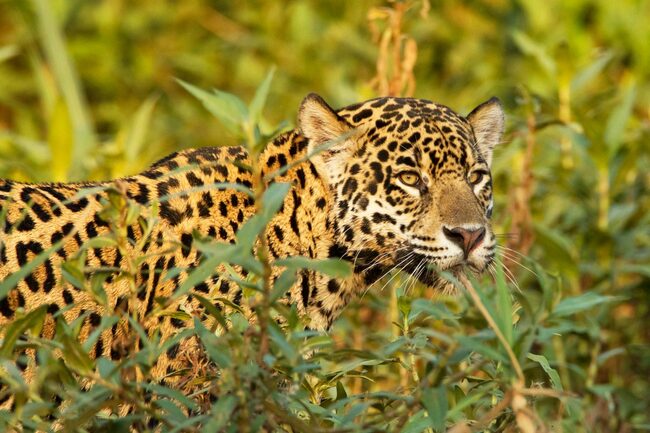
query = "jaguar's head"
{"x": 410, "y": 181}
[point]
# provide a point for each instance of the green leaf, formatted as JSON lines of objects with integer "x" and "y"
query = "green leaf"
{"x": 248, "y": 233}
{"x": 8, "y": 51}
{"x": 100, "y": 242}
{"x": 105, "y": 323}
{"x": 273, "y": 198}
{"x": 221, "y": 413}
{"x": 434, "y": 401}
{"x": 75, "y": 355}
{"x": 271, "y": 202}
{"x": 316, "y": 342}
{"x": 111, "y": 425}
{"x": 635, "y": 269}
{"x": 32, "y": 321}
{"x": 534, "y": 49}
{"x": 52, "y": 40}
{"x": 228, "y": 108}
{"x": 145, "y": 339}
{"x": 417, "y": 423}
{"x": 552, "y": 374}
{"x": 105, "y": 367}
{"x": 558, "y": 249}
{"x": 390, "y": 349}
{"x": 340, "y": 391}
{"x": 404, "y": 305}
{"x": 618, "y": 119}
{"x": 73, "y": 273}
{"x": 138, "y": 130}
{"x": 477, "y": 345}
{"x": 212, "y": 310}
{"x": 171, "y": 411}
{"x": 284, "y": 282}
{"x": 576, "y": 304}
{"x": 605, "y": 356}
{"x": 173, "y": 394}
{"x": 206, "y": 269}
{"x": 186, "y": 425}
{"x": 353, "y": 412}
{"x": 257, "y": 104}
{"x": 217, "y": 351}
{"x": 433, "y": 309}
{"x": 332, "y": 267}
{"x": 84, "y": 407}
{"x": 469, "y": 400}
{"x": 584, "y": 76}
{"x": 244, "y": 258}
{"x": 179, "y": 315}
{"x": 97, "y": 281}
{"x": 279, "y": 338}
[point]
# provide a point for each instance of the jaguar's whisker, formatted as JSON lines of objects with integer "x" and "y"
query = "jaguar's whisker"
{"x": 510, "y": 254}
{"x": 415, "y": 275}
{"x": 408, "y": 257}
{"x": 377, "y": 260}
{"x": 510, "y": 276}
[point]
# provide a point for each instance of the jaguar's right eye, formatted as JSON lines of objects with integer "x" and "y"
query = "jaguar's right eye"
{"x": 476, "y": 177}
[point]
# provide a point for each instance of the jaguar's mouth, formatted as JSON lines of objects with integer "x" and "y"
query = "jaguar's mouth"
{"x": 427, "y": 270}
{"x": 433, "y": 274}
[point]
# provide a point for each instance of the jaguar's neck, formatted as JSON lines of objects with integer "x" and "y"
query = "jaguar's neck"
{"x": 306, "y": 226}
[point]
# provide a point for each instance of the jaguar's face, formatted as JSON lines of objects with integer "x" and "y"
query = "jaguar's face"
{"x": 411, "y": 182}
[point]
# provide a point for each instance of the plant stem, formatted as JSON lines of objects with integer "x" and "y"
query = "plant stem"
{"x": 488, "y": 318}
{"x": 259, "y": 186}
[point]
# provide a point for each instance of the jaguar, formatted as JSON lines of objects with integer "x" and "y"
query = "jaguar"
{"x": 390, "y": 183}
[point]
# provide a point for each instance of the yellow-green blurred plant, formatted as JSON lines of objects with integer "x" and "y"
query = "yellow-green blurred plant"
{"x": 571, "y": 190}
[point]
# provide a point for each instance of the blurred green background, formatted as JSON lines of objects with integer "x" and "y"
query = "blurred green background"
{"x": 88, "y": 91}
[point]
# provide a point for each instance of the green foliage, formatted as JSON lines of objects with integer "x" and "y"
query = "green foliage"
{"x": 571, "y": 191}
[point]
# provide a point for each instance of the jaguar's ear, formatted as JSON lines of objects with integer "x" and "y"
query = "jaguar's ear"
{"x": 488, "y": 122}
{"x": 328, "y": 135}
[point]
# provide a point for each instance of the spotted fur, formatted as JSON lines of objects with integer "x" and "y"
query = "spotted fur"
{"x": 391, "y": 183}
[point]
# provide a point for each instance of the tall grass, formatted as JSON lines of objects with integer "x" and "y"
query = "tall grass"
{"x": 571, "y": 196}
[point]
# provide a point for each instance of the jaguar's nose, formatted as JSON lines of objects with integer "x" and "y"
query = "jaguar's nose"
{"x": 466, "y": 239}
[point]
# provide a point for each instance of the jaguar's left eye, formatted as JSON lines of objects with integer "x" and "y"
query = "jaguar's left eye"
{"x": 409, "y": 178}
{"x": 476, "y": 177}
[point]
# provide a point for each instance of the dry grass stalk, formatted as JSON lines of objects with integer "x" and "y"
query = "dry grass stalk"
{"x": 519, "y": 206}
{"x": 398, "y": 52}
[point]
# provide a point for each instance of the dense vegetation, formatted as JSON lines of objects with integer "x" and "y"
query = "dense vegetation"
{"x": 556, "y": 340}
